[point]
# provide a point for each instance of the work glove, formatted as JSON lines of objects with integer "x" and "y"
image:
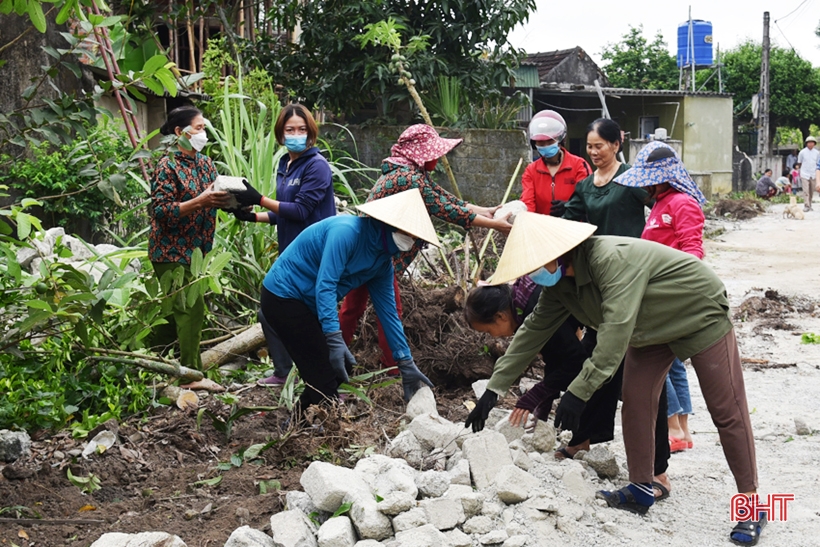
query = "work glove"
{"x": 411, "y": 378}
{"x": 478, "y": 417}
{"x": 538, "y": 401}
{"x": 248, "y": 196}
{"x": 243, "y": 214}
{"x": 557, "y": 208}
{"x": 568, "y": 413}
{"x": 340, "y": 356}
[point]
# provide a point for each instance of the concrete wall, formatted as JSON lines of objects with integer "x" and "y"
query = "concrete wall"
{"x": 482, "y": 164}
{"x": 707, "y": 140}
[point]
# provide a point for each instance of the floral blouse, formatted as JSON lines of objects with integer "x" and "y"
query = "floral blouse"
{"x": 180, "y": 178}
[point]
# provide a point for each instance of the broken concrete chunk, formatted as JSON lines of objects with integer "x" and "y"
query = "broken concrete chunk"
{"x": 292, "y": 529}
{"x": 423, "y": 402}
{"x": 514, "y": 485}
{"x": 460, "y": 473}
{"x": 424, "y": 536}
{"x": 370, "y": 523}
{"x": 486, "y": 452}
{"x": 249, "y": 537}
{"x": 602, "y": 461}
{"x": 395, "y": 503}
{"x": 432, "y": 484}
{"x": 435, "y": 432}
{"x": 801, "y": 428}
{"x": 576, "y": 486}
{"x": 337, "y": 532}
{"x": 443, "y": 513}
{"x": 457, "y": 538}
{"x": 14, "y": 445}
{"x": 479, "y": 525}
{"x": 328, "y": 484}
{"x": 408, "y": 520}
{"x": 504, "y": 427}
{"x": 144, "y": 539}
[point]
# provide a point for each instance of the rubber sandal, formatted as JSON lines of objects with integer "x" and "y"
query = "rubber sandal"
{"x": 749, "y": 528}
{"x": 690, "y": 444}
{"x": 613, "y": 499}
{"x": 677, "y": 445}
{"x": 663, "y": 490}
{"x": 565, "y": 455}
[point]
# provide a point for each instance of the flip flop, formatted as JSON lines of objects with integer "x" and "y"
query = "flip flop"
{"x": 613, "y": 499}
{"x": 663, "y": 490}
{"x": 690, "y": 444}
{"x": 677, "y": 445}
{"x": 565, "y": 455}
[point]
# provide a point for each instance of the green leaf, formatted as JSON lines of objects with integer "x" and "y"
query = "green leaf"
{"x": 154, "y": 86}
{"x": 39, "y": 305}
{"x": 5, "y": 7}
{"x": 153, "y": 64}
{"x": 343, "y": 508}
{"x": 219, "y": 262}
{"x": 167, "y": 78}
{"x": 196, "y": 263}
{"x": 65, "y": 12}
{"x": 23, "y": 225}
{"x": 35, "y": 13}
{"x": 139, "y": 95}
{"x": 236, "y": 460}
{"x": 209, "y": 482}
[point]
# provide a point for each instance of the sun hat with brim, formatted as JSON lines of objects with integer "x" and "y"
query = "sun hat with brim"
{"x": 536, "y": 240}
{"x": 421, "y": 143}
{"x": 811, "y": 139}
{"x": 657, "y": 163}
{"x": 404, "y": 211}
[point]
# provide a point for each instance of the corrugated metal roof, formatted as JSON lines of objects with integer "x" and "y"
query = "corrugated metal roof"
{"x": 579, "y": 89}
{"x": 526, "y": 75}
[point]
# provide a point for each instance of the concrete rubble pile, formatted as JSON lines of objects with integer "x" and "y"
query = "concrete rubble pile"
{"x": 440, "y": 485}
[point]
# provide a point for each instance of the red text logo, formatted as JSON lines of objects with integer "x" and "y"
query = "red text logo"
{"x": 776, "y": 507}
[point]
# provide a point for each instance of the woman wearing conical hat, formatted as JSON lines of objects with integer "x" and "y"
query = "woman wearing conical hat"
{"x": 649, "y": 304}
{"x": 303, "y": 287}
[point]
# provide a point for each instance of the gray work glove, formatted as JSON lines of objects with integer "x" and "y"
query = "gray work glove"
{"x": 411, "y": 378}
{"x": 341, "y": 360}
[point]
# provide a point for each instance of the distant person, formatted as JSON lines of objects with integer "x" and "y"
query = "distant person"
{"x": 791, "y": 159}
{"x": 808, "y": 159}
{"x": 549, "y": 181}
{"x": 304, "y": 196}
{"x": 766, "y": 188}
{"x": 784, "y": 185}
{"x": 797, "y": 184}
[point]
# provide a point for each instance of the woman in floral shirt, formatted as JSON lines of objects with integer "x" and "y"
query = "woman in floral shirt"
{"x": 183, "y": 218}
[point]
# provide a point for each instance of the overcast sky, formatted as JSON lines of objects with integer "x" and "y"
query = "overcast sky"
{"x": 592, "y": 24}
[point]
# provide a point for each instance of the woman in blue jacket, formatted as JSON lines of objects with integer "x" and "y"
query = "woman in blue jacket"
{"x": 301, "y": 291}
{"x": 304, "y": 196}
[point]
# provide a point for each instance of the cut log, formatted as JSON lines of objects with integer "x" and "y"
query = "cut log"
{"x": 239, "y": 345}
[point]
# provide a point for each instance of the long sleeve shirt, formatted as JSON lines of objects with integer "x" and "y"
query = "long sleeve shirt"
{"x": 676, "y": 221}
{"x": 334, "y": 256}
{"x": 179, "y": 178}
{"x": 615, "y": 209}
{"x": 764, "y": 185}
{"x": 539, "y": 188}
{"x": 634, "y": 293}
{"x": 304, "y": 190}
{"x": 439, "y": 202}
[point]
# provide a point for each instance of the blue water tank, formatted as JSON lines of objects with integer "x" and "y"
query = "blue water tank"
{"x": 702, "y": 40}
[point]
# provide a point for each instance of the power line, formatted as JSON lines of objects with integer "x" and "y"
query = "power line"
{"x": 792, "y": 11}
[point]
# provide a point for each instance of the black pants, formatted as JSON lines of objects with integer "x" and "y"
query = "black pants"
{"x": 301, "y": 334}
{"x": 564, "y": 356}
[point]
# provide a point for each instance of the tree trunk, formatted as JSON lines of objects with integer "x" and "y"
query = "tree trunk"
{"x": 246, "y": 341}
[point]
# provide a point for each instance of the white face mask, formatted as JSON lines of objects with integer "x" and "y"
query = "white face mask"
{"x": 403, "y": 241}
{"x": 199, "y": 140}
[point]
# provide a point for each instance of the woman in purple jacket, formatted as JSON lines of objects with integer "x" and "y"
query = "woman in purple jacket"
{"x": 304, "y": 196}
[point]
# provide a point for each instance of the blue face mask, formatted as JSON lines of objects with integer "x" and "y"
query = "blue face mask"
{"x": 547, "y": 151}
{"x": 296, "y": 143}
{"x": 546, "y": 279}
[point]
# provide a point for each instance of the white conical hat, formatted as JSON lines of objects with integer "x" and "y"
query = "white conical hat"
{"x": 536, "y": 240}
{"x": 405, "y": 211}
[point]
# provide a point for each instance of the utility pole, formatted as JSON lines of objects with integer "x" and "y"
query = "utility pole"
{"x": 764, "y": 145}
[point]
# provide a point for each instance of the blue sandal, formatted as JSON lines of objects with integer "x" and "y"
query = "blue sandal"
{"x": 750, "y": 529}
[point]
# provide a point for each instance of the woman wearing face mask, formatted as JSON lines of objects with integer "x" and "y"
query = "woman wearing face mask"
{"x": 333, "y": 256}
{"x": 304, "y": 196}
{"x": 414, "y": 157}
{"x": 183, "y": 215}
{"x": 549, "y": 181}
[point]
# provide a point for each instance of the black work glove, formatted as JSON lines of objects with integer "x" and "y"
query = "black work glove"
{"x": 568, "y": 413}
{"x": 244, "y": 215}
{"x": 557, "y": 208}
{"x": 411, "y": 378}
{"x": 478, "y": 416}
{"x": 340, "y": 356}
{"x": 248, "y": 196}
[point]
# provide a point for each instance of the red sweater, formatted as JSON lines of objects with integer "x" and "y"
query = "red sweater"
{"x": 676, "y": 220}
{"x": 540, "y": 188}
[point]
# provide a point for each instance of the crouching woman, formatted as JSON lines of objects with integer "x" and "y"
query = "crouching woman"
{"x": 301, "y": 290}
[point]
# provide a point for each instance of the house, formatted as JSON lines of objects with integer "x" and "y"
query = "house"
{"x": 698, "y": 124}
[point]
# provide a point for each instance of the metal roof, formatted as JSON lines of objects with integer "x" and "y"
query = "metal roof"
{"x": 527, "y": 76}
{"x": 581, "y": 89}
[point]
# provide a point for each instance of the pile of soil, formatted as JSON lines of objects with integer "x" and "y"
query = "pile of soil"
{"x": 770, "y": 306}
{"x": 738, "y": 209}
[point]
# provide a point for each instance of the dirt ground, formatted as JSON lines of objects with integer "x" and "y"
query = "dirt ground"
{"x": 149, "y": 481}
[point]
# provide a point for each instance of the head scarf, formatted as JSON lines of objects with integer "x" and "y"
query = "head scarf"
{"x": 419, "y": 144}
{"x": 667, "y": 169}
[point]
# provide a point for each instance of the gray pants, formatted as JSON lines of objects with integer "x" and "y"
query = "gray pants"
{"x": 721, "y": 382}
{"x": 808, "y": 191}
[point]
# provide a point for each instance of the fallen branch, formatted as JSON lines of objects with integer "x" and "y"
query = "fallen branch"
{"x": 246, "y": 341}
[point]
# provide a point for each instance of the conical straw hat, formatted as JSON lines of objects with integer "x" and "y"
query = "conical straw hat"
{"x": 535, "y": 240}
{"x": 405, "y": 211}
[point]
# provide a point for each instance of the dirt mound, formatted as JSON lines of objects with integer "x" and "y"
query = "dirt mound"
{"x": 738, "y": 209}
{"x": 769, "y": 306}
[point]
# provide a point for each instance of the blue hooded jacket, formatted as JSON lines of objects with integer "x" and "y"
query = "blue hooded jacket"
{"x": 333, "y": 257}
{"x": 305, "y": 195}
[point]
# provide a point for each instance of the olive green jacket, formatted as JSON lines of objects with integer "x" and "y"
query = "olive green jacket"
{"x": 634, "y": 293}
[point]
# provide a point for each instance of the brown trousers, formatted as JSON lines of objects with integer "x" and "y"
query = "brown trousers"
{"x": 721, "y": 382}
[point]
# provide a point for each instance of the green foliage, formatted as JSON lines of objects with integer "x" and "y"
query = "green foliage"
{"x": 87, "y": 485}
{"x": 343, "y": 508}
{"x": 468, "y": 40}
{"x": 810, "y": 338}
{"x": 637, "y": 63}
{"x": 225, "y": 424}
{"x": 74, "y": 182}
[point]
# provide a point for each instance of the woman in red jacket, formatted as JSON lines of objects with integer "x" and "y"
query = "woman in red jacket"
{"x": 549, "y": 181}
